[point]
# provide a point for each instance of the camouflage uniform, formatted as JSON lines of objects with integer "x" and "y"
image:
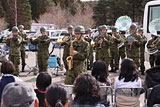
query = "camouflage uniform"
{"x": 133, "y": 50}
{"x": 122, "y": 49}
{"x": 43, "y": 53}
{"x": 152, "y": 57}
{"x": 103, "y": 52}
{"x": 142, "y": 50}
{"x": 66, "y": 51}
{"x": 90, "y": 57}
{"x": 114, "y": 62}
{"x": 79, "y": 61}
{"x": 14, "y": 51}
{"x": 23, "y": 48}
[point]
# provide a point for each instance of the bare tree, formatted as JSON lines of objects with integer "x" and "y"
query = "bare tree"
{"x": 83, "y": 17}
{"x": 62, "y": 18}
{"x": 56, "y": 16}
{"x": 3, "y": 24}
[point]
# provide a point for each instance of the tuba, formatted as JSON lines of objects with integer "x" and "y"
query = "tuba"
{"x": 70, "y": 58}
{"x": 123, "y": 23}
{"x": 154, "y": 29}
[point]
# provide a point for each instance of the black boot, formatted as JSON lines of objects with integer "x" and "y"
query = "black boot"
{"x": 112, "y": 70}
{"x": 23, "y": 66}
{"x": 142, "y": 72}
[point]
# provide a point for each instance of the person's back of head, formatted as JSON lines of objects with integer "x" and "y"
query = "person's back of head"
{"x": 19, "y": 94}
{"x": 7, "y": 67}
{"x": 56, "y": 96}
{"x": 128, "y": 70}
{"x": 43, "y": 81}
{"x": 157, "y": 60}
{"x": 86, "y": 89}
{"x": 99, "y": 71}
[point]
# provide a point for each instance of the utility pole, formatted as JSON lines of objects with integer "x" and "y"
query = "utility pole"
{"x": 15, "y": 7}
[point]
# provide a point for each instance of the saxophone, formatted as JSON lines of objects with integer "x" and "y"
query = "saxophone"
{"x": 70, "y": 58}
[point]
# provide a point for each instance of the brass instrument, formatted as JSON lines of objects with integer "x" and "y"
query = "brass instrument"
{"x": 63, "y": 40}
{"x": 153, "y": 50}
{"x": 70, "y": 58}
{"x": 92, "y": 44}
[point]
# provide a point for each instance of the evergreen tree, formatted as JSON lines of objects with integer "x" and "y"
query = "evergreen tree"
{"x": 17, "y": 8}
{"x": 2, "y": 13}
{"x": 39, "y": 7}
{"x": 101, "y": 12}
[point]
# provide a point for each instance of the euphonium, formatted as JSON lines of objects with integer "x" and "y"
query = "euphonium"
{"x": 64, "y": 40}
{"x": 70, "y": 58}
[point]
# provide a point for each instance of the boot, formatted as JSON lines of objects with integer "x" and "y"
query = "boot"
{"x": 112, "y": 70}
{"x": 23, "y": 66}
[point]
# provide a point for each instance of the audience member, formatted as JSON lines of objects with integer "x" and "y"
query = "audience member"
{"x": 128, "y": 77}
{"x": 154, "y": 97}
{"x": 19, "y": 94}
{"x": 153, "y": 75}
{"x": 56, "y": 96}
{"x": 7, "y": 70}
{"x": 42, "y": 82}
{"x": 99, "y": 72}
{"x": 86, "y": 91}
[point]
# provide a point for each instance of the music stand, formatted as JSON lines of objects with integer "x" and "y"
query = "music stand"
{"x": 33, "y": 48}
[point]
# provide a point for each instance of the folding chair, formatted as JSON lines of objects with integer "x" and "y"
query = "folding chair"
{"x": 106, "y": 90}
{"x": 125, "y": 95}
{"x": 156, "y": 105}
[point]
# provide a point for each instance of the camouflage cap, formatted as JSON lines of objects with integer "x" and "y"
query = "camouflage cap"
{"x": 70, "y": 27}
{"x": 79, "y": 29}
{"x": 15, "y": 29}
{"x": 89, "y": 30}
{"x": 140, "y": 30}
{"x": 114, "y": 29}
{"x": 104, "y": 27}
{"x": 133, "y": 26}
{"x": 21, "y": 27}
{"x": 43, "y": 29}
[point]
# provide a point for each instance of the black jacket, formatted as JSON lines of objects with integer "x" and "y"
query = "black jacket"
{"x": 154, "y": 97}
{"x": 152, "y": 77}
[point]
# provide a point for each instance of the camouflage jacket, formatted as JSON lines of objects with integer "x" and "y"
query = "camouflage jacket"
{"x": 114, "y": 42}
{"x": 105, "y": 44}
{"x": 14, "y": 44}
{"x": 133, "y": 50}
{"x": 143, "y": 42}
{"x": 66, "y": 47}
{"x": 83, "y": 50}
{"x": 24, "y": 40}
{"x": 123, "y": 40}
{"x": 43, "y": 43}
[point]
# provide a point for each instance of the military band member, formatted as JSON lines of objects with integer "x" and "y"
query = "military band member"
{"x": 66, "y": 46}
{"x": 43, "y": 43}
{"x": 89, "y": 39}
{"x": 102, "y": 42}
{"x": 114, "y": 42}
{"x": 14, "y": 42}
{"x": 133, "y": 45}
{"x": 151, "y": 46}
{"x": 142, "y": 50}
{"x": 122, "y": 49}
{"x": 79, "y": 54}
{"x": 23, "y": 45}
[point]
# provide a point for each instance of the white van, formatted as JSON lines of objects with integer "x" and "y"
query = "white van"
{"x": 55, "y": 34}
